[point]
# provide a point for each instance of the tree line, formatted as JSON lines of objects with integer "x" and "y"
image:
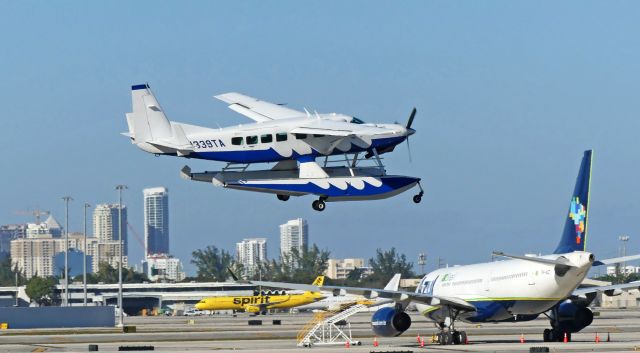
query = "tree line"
{"x": 213, "y": 264}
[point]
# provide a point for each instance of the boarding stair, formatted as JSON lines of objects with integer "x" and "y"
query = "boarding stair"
{"x": 329, "y": 328}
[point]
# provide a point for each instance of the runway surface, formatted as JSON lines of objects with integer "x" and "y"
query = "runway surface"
{"x": 224, "y": 333}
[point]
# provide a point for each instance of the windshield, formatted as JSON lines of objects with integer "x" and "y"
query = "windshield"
{"x": 355, "y": 120}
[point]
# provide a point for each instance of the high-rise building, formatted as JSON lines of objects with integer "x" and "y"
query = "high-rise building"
{"x": 105, "y": 225}
{"x": 293, "y": 235}
{"x": 250, "y": 253}
{"x": 162, "y": 267}
{"x": 156, "y": 221}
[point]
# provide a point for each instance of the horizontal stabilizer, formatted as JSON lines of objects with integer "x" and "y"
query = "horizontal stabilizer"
{"x": 559, "y": 261}
{"x": 608, "y": 289}
{"x": 616, "y": 260}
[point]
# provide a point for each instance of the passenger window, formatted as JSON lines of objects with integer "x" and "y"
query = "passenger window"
{"x": 301, "y": 136}
{"x": 281, "y": 136}
{"x": 252, "y": 140}
{"x": 236, "y": 141}
{"x": 266, "y": 138}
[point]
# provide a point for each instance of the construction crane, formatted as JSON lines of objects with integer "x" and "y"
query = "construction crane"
{"x": 138, "y": 238}
{"x": 37, "y": 213}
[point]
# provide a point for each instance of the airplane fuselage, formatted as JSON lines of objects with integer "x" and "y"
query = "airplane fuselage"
{"x": 510, "y": 290}
{"x": 273, "y": 141}
{"x": 257, "y": 303}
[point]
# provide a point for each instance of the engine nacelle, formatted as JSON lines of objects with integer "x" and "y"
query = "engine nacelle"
{"x": 573, "y": 317}
{"x": 389, "y": 322}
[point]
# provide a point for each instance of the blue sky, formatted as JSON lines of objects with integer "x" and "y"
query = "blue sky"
{"x": 509, "y": 95}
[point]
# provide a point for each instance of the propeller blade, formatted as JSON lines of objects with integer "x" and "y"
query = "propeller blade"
{"x": 413, "y": 115}
{"x": 409, "y": 150}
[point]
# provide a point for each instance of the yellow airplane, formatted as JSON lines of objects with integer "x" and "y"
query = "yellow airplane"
{"x": 262, "y": 301}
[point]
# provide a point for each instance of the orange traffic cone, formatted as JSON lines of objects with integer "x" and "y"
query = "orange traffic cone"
{"x": 375, "y": 341}
{"x": 347, "y": 344}
{"x": 597, "y": 338}
{"x": 466, "y": 339}
{"x": 421, "y": 342}
{"x": 522, "y": 338}
{"x": 418, "y": 338}
{"x": 565, "y": 340}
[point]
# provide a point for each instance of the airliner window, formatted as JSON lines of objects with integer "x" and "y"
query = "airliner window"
{"x": 236, "y": 141}
{"x": 355, "y": 120}
{"x": 281, "y": 136}
{"x": 252, "y": 140}
{"x": 266, "y": 138}
{"x": 301, "y": 136}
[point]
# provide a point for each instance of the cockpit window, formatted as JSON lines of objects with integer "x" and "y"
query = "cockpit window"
{"x": 355, "y": 120}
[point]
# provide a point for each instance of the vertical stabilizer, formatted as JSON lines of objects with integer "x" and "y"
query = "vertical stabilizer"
{"x": 574, "y": 236}
{"x": 147, "y": 121}
{"x": 394, "y": 283}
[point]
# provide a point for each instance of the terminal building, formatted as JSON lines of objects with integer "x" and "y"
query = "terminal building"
{"x": 137, "y": 296}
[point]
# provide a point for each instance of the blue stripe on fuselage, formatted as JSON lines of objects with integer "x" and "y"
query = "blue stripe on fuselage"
{"x": 270, "y": 155}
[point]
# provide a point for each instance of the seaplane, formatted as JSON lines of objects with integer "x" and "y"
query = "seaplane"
{"x": 335, "y": 157}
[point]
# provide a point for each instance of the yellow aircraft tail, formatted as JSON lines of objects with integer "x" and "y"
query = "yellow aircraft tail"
{"x": 319, "y": 281}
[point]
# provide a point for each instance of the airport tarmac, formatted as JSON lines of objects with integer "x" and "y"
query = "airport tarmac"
{"x": 225, "y": 333}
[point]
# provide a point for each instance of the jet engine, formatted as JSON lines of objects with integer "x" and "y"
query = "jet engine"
{"x": 573, "y": 317}
{"x": 389, "y": 322}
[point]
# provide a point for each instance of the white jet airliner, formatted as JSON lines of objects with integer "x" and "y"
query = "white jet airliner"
{"x": 291, "y": 139}
{"x": 519, "y": 289}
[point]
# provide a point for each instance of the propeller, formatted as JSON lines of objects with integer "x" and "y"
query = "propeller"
{"x": 408, "y": 126}
{"x": 411, "y": 117}
{"x": 409, "y": 150}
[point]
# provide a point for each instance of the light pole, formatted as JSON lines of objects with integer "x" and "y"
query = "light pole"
{"x": 84, "y": 256}
{"x": 624, "y": 239}
{"x": 121, "y": 316}
{"x": 66, "y": 200}
{"x": 422, "y": 260}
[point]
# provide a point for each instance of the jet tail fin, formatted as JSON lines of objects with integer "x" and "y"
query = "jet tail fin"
{"x": 318, "y": 282}
{"x": 574, "y": 236}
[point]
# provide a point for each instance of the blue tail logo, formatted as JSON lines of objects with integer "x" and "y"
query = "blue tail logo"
{"x": 575, "y": 230}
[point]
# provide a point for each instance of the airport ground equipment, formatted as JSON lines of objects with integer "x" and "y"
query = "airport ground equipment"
{"x": 323, "y": 330}
{"x": 294, "y": 140}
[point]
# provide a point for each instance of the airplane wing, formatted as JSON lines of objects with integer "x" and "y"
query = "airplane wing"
{"x": 371, "y": 293}
{"x": 256, "y": 109}
{"x": 611, "y": 288}
{"x": 616, "y": 260}
{"x": 338, "y": 128}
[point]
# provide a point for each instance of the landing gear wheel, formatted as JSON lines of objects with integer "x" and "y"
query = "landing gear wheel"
{"x": 417, "y": 198}
{"x": 445, "y": 338}
{"x": 547, "y": 335}
{"x": 456, "y": 337}
{"x": 318, "y": 205}
{"x": 283, "y": 197}
{"x": 459, "y": 337}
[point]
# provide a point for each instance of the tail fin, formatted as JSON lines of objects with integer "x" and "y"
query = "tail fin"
{"x": 147, "y": 121}
{"x": 319, "y": 281}
{"x": 574, "y": 237}
{"x": 394, "y": 283}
